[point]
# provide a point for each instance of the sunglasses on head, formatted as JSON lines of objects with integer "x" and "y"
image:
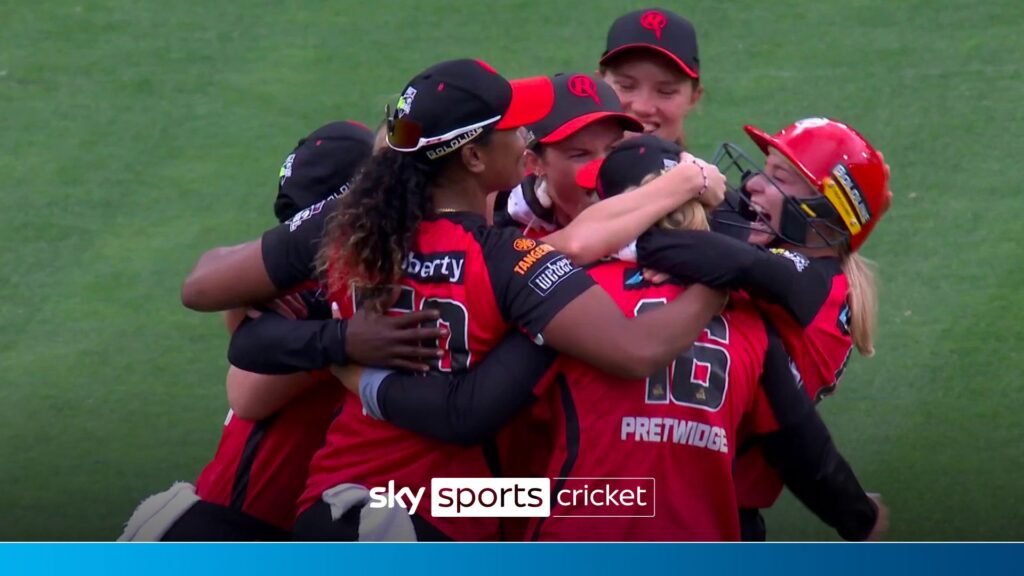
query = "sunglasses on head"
{"x": 406, "y": 135}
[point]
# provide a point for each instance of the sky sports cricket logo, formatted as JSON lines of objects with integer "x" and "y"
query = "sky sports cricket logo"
{"x": 524, "y": 497}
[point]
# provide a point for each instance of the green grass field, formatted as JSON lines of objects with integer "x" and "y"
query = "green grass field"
{"x": 134, "y": 135}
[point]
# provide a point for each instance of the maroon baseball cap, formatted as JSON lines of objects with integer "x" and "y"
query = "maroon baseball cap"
{"x": 580, "y": 100}
{"x": 659, "y": 30}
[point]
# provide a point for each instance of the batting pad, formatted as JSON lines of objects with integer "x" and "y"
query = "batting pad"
{"x": 156, "y": 514}
{"x": 375, "y": 524}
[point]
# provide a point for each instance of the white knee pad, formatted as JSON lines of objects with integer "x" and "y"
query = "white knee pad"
{"x": 375, "y": 524}
{"x": 156, "y": 514}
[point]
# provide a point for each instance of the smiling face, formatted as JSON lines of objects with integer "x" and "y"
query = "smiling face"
{"x": 558, "y": 163}
{"x": 767, "y": 195}
{"x": 654, "y": 89}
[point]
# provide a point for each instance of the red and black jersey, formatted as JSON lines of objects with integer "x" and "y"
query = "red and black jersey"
{"x": 804, "y": 298}
{"x": 819, "y": 351}
{"x": 260, "y": 467}
{"x": 680, "y": 426}
{"x": 484, "y": 281}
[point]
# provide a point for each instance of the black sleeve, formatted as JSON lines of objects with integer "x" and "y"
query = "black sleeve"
{"x": 532, "y": 281}
{"x": 783, "y": 277}
{"x": 317, "y": 306}
{"x": 807, "y": 460}
{"x": 290, "y": 249}
{"x": 470, "y": 407}
{"x": 273, "y": 344}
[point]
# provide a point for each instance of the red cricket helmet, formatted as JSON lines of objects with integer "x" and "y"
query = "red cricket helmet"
{"x": 840, "y": 164}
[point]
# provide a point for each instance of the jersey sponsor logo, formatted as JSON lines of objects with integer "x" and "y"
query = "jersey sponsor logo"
{"x": 676, "y": 431}
{"x": 531, "y": 258}
{"x": 799, "y": 260}
{"x": 435, "y": 268}
{"x": 306, "y": 214}
{"x": 524, "y": 244}
{"x": 551, "y": 274}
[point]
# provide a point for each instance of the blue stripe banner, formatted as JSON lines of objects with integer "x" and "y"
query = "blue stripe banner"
{"x": 515, "y": 559}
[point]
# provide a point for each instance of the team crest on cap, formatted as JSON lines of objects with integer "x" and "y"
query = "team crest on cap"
{"x": 807, "y": 123}
{"x": 654, "y": 21}
{"x": 584, "y": 86}
{"x": 286, "y": 168}
{"x": 405, "y": 102}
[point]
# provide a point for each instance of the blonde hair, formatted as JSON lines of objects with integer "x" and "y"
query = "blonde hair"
{"x": 861, "y": 292}
{"x": 862, "y": 296}
{"x": 689, "y": 216}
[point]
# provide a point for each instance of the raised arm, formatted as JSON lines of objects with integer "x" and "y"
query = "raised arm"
{"x": 539, "y": 289}
{"x": 607, "y": 226}
{"x": 228, "y": 277}
{"x": 260, "y": 270}
{"x": 789, "y": 279}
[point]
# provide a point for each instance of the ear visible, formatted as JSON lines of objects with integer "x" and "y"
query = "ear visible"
{"x": 696, "y": 95}
{"x": 534, "y": 164}
{"x": 473, "y": 158}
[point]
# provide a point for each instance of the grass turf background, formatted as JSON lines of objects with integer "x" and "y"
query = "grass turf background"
{"x": 134, "y": 135}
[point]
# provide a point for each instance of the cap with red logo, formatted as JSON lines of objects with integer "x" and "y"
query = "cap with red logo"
{"x": 454, "y": 102}
{"x": 580, "y": 100}
{"x": 839, "y": 163}
{"x": 659, "y": 30}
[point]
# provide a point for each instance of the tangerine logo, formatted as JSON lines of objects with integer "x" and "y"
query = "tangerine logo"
{"x": 654, "y": 21}
{"x": 584, "y": 87}
{"x": 523, "y": 244}
{"x": 532, "y": 257}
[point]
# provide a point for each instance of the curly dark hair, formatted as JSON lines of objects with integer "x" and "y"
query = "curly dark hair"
{"x": 368, "y": 236}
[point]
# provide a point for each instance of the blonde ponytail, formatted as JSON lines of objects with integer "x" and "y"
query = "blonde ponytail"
{"x": 863, "y": 300}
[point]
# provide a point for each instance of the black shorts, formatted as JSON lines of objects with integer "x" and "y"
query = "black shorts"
{"x": 315, "y": 524}
{"x": 207, "y": 522}
{"x": 752, "y": 527}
